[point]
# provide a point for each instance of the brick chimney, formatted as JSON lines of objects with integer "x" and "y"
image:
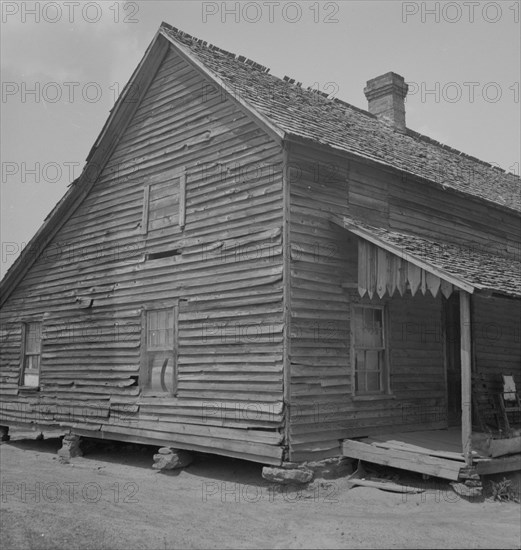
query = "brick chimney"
{"x": 386, "y": 97}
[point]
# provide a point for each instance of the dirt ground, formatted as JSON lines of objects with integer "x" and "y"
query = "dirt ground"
{"x": 111, "y": 498}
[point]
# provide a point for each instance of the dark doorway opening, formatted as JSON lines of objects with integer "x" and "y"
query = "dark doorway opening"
{"x": 453, "y": 359}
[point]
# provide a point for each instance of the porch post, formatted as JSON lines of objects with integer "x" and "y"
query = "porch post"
{"x": 466, "y": 376}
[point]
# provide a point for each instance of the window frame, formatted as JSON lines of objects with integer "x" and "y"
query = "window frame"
{"x": 24, "y": 354}
{"x": 144, "y": 374}
{"x": 385, "y": 383}
{"x": 181, "y": 203}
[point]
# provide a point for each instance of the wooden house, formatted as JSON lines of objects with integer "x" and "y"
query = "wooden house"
{"x": 248, "y": 268}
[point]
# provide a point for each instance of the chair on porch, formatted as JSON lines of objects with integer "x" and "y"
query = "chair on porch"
{"x": 510, "y": 403}
{"x": 488, "y": 415}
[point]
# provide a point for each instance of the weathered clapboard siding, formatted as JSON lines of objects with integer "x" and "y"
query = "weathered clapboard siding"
{"x": 319, "y": 308}
{"x": 228, "y": 277}
{"x": 402, "y": 203}
{"x": 323, "y": 258}
{"x": 496, "y": 331}
{"x": 261, "y": 280}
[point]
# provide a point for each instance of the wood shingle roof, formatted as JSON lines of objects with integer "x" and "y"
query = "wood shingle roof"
{"x": 473, "y": 265}
{"x": 310, "y": 115}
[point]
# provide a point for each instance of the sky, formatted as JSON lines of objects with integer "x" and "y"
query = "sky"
{"x": 62, "y": 65}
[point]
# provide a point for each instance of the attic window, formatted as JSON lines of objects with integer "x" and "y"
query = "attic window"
{"x": 164, "y": 202}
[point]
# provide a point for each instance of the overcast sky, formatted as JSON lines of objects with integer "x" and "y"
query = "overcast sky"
{"x": 63, "y": 63}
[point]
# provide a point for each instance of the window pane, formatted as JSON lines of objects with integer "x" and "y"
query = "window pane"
{"x": 368, "y": 325}
{"x": 32, "y": 338}
{"x": 378, "y": 327}
{"x": 160, "y": 334}
{"x": 170, "y": 328}
{"x": 358, "y": 326}
{"x": 161, "y": 369}
{"x": 32, "y": 362}
{"x": 152, "y": 320}
{"x": 360, "y": 382}
{"x": 359, "y": 371}
{"x": 373, "y": 329}
{"x": 360, "y": 360}
{"x": 372, "y": 360}
{"x": 31, "y": 380}
{"x": 369, "y": 354}
{"x": 373, "y": 381}
{"x": 31, "y": 370}
{"x": 160, "y": 329}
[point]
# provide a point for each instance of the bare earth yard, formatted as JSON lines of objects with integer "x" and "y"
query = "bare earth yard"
{"x": 112, "y": 498}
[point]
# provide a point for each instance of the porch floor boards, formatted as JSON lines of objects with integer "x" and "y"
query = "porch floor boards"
{"x": 445, "y": 443}
{"x": 432, "y": 452}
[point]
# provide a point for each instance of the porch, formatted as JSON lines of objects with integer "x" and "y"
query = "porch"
{"x": 394, "y": 265}
{"x": 436, "y": 453}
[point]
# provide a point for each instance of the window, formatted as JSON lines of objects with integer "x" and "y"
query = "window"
{"x": 31, "y": 352}
{"x": 158, "y": 351}
{"x": 164, "y": 203}
{"x": 369, "y": 350}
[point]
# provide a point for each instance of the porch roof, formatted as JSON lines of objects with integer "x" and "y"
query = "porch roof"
{"x": 465, "y": 267}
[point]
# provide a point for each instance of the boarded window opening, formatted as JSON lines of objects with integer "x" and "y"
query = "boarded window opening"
{"x": 369, "y": 350}
{"x": 164, "y": 202}
{"x": 31, "y": 355}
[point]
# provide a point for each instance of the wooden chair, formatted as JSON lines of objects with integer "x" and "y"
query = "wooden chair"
{"x": 488, "y": 416}
{"x": 510, "y": 403}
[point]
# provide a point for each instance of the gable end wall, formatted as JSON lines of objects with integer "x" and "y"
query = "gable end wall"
{"x": 227, "y": 282}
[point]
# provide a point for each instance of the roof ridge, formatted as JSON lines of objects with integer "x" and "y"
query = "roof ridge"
{"x": 213, "y": 47}
{"x": 414, "y": 134}
{"x": 286, "y": 79}
{"x": 340, "y": 102}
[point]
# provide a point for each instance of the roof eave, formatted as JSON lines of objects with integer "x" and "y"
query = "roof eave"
{"x": 458, "y": 282}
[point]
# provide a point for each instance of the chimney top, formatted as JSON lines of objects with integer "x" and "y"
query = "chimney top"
{"x": 386, "y": 97}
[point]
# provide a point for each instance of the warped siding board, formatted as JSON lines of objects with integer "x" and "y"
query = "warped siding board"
{"x": 136, "y": 276}
{"x": 133, "y": 250}
{"x": 256, "y": 452}
{"x": 132, "y": 245}
{"x": 230, "y": 270}
{"x": 208, "y": 417}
